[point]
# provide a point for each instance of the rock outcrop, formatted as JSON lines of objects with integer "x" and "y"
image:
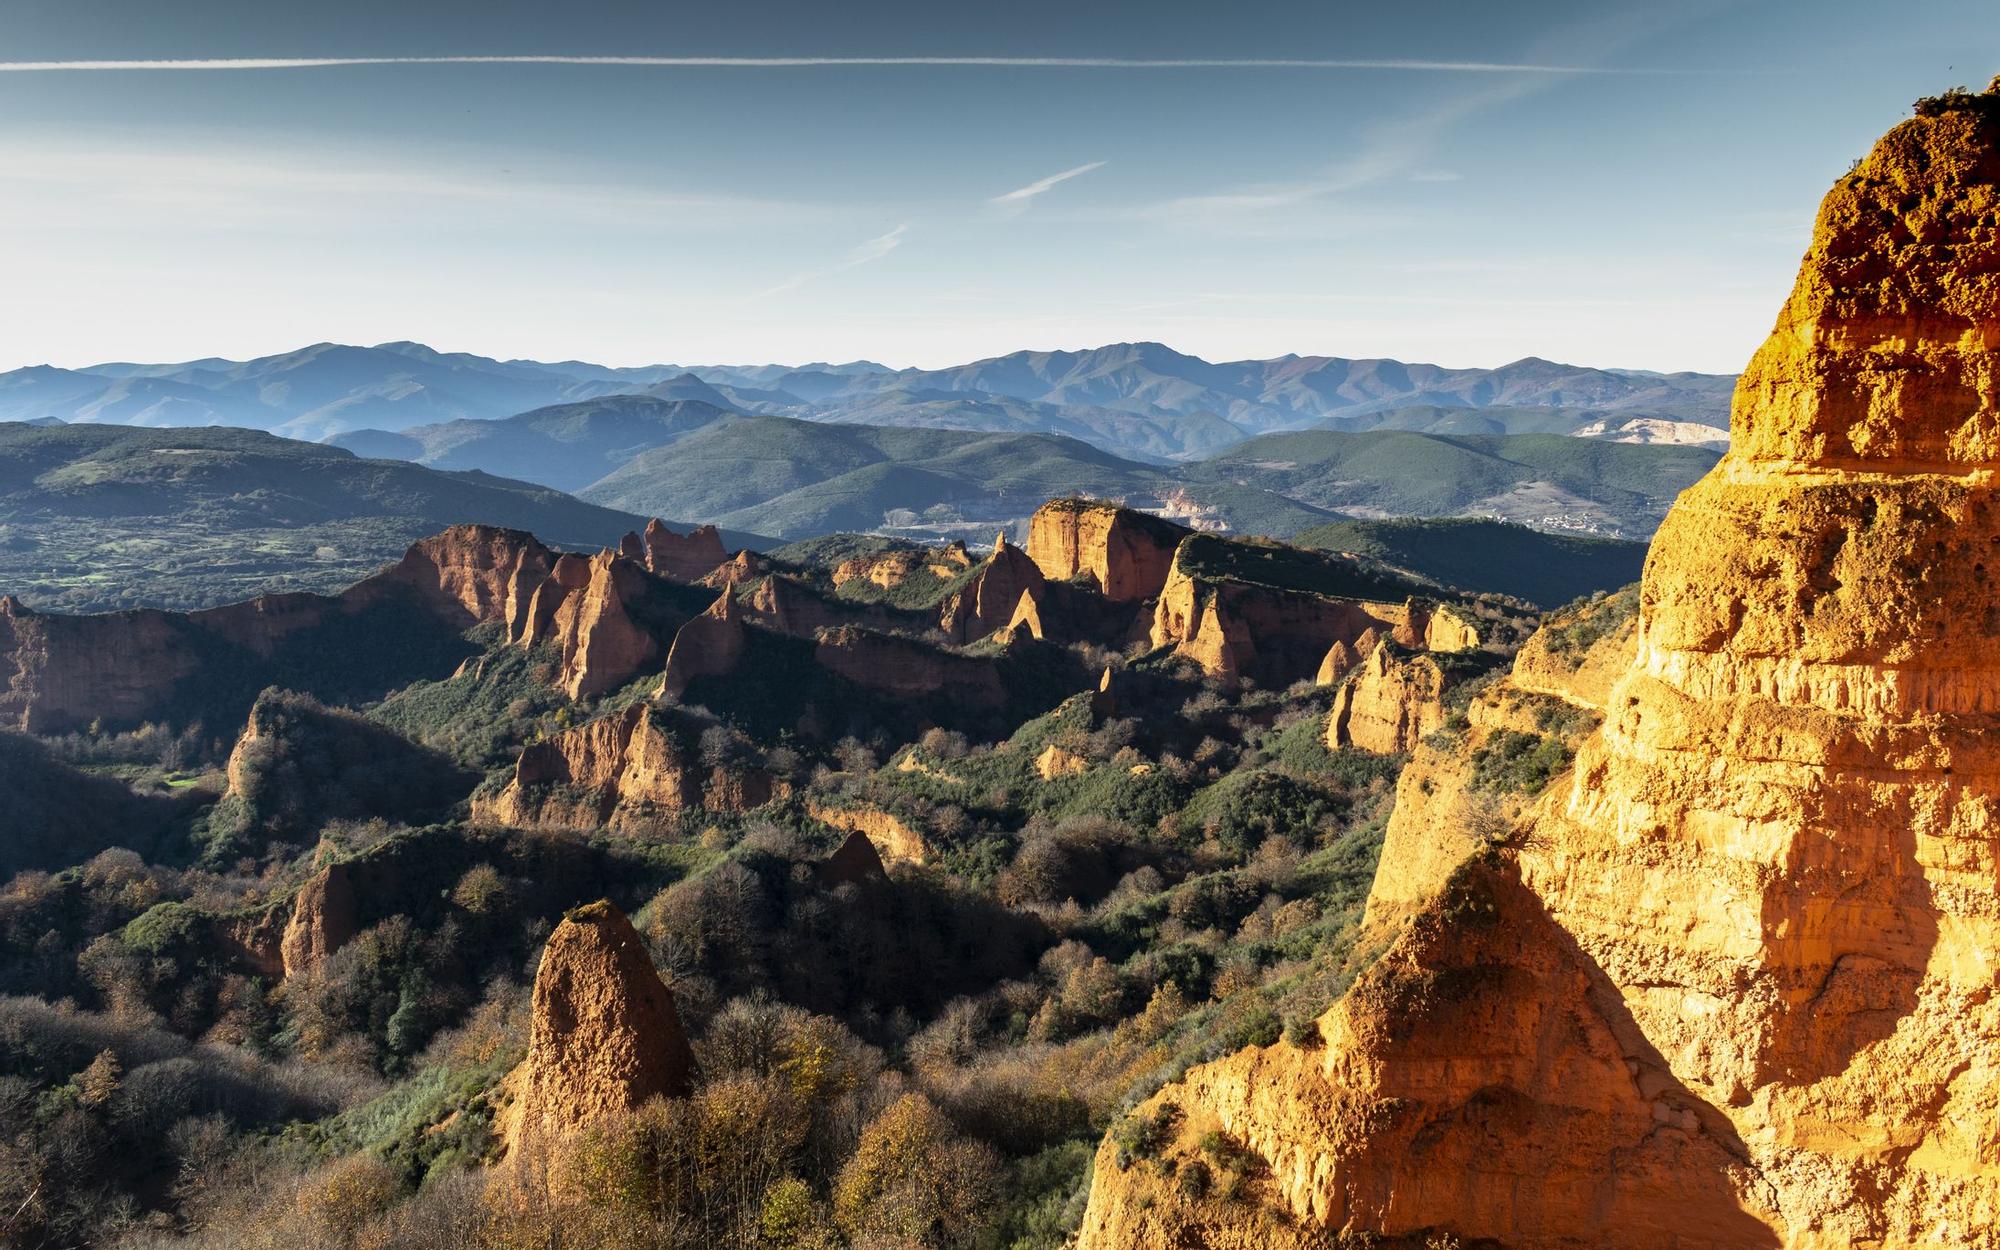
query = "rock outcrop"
{"x": 894, "y": 842}
{"x": 1128, "y": 552}
{"x": 683, "y": 557}
{"x": 1388, "y": 703}
{"x": 905, "y": 669}
{"x": 600, "y": 643}
{"x": 482, "y": 572}
{"x": 990, "y": 599}
{"x": 1731, "y": 985}
{"x": 1431, "y": 626}
{"x": 1233, "y": 627}
{"x": 710, "y": 645}
{"x": 604, "y": 1036}
{"x": 62, "y": 672}
{"x": 632, "y": 771}
{"x": 890, "y": 569}
{"x": 856, "y": 862}
{"x": 325, "y": 916}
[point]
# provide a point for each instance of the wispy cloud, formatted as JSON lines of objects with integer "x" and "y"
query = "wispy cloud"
{"x": 810, "y": 62}
{"x": 1019, "y": 198}
{"x": 873, "y": 250}
{"x": 1405, "y": 147}
{"x": 127, "y": 185}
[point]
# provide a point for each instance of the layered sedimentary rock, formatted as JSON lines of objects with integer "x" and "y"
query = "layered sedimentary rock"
{"x": 630, "y": 771}
{"x": 604, "y": 1038}
{"x": 1731, "y": 984}
{"x": 1388, "y": 703}
{"x": 325, "y": 915}
{"x": 1128, "y": 552}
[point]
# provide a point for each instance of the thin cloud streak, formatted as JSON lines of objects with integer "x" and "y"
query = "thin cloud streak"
{"x": 873, "y": 250}
{"x": 1018, "y": 198}
{"x": 814, "y": 62}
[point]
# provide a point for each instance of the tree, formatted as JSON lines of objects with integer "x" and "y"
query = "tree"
{"x": 914, "y": 1176}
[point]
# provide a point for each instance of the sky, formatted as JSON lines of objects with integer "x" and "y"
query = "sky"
{"x": 1623, "y": 185}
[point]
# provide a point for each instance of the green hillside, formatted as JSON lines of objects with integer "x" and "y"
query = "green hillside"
{"x": 568, "y": 446}
{"x": 1486, "y": 555}
{"x": 94, "y": 517}
{"x": 794, "y": 478}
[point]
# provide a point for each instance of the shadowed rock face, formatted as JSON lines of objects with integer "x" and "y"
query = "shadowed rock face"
{"x": 605, "y": 1035}
{"x": 990, "y": 599}
{"x": 1770, "y": 880}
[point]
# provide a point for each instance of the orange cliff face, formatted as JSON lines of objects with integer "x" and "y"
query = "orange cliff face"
{"x": 1730, "y": 982}
{"x": 1128, "y": 552}
{"x": 605, "y": 1036}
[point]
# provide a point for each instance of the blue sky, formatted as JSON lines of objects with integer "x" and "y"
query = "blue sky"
{"x": 1637, "y": 194}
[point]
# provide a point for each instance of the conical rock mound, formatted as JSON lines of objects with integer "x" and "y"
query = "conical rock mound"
{"x": 605, "y": 1036}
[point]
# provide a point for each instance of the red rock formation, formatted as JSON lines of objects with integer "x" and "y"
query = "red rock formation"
{"x": 476, "y": 571}
{"x": 891, "y": 840}
{"x": 256, "y": 938}
{"x": 1388, "y": 704}
{"x": 629, "y": 771}
{"x": 892, "y": 568}
{"x": 1428, "y": 625}
{"x": 1234, "y": 628}
{"x": 988, "y": 601}
{"x": 632, "y": 547}
{"x": 324, "y": 918}
{"x": 604, "y": 1037}
{"x": 745, "y": 566}
{"x": 1732, "y": 983}
{"x": 602, "y": 646}
{"x": 1129, "y": 553}
{"x": 683, "y": 557}
{"x": 710, "y": 645}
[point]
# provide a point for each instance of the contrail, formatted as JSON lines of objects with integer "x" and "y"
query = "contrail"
{"x": 807, "y": 62}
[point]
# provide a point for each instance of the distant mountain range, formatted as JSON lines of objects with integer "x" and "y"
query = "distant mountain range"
{"x": 1140, "y": 400}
